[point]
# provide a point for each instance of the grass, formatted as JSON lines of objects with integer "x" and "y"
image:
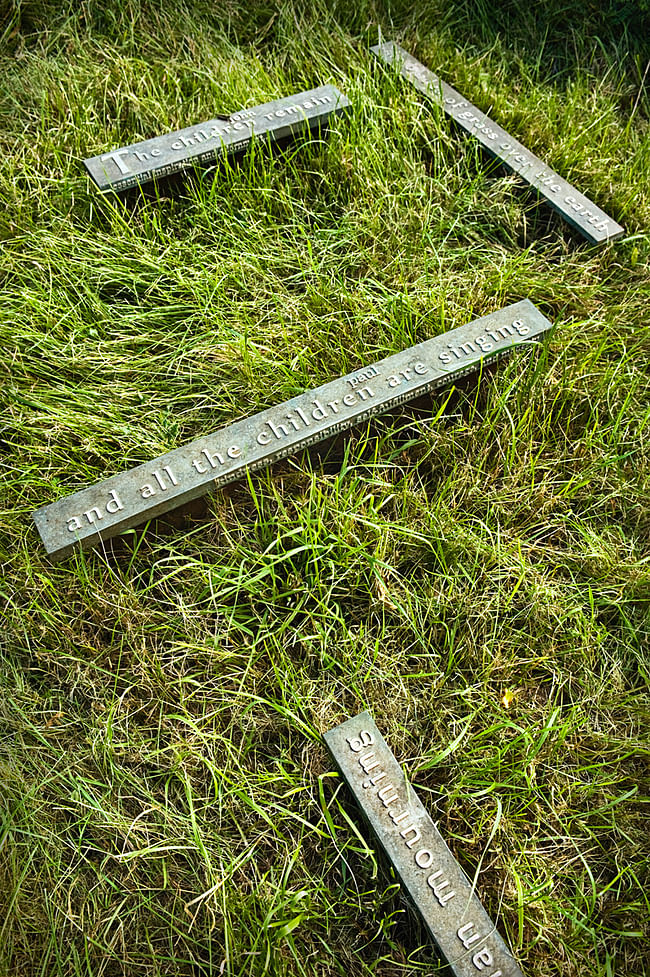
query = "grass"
{"x": 167, "y": 805}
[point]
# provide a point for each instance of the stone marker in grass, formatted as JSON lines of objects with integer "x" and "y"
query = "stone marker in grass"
{"x": 201, "y": 145}
{"x": 577, "y": 209}
{"x": 107, "y": 508}
{"x": 429, "y": 873}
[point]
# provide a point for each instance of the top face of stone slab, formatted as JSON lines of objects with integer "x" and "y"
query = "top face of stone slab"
{"x": 103, "y": 510}
{"x": 202, "y": 144}
{"x": 434, "y": 881}
{"x": 592, "y": 222}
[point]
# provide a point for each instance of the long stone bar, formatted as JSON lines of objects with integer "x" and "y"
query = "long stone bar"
{"x": 107, "y": 508}
{"x": 202, "y": 144}
{"x": 432, "y": 878}
{"x": 574, "y": 207}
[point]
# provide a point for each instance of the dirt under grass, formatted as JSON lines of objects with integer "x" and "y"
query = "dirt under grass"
{"x": 480, "y": 583}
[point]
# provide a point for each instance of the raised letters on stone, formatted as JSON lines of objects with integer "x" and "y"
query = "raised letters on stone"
{"x": 431, "y": 876}
{"x": 202, "y": 144}
{"x": 107, "y": 508}
{"x": 577, "y": 209}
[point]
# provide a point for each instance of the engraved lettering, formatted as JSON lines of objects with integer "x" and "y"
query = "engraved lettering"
{"x": 182, "y": 150}
{"x": 517, "y": 158}
{"x": 373, "y": 781}
{"x": 386, "y": 791}
{"x": 398, "y": 818}
{"x": 387, "y": 799}
{"x": 214, "y": 459}
{"x": 322, "y": 413}
{"x": 399, "y": 828}
{"x": 117, "y": 159}
{"x": 467, "y": 936}
{"x": 438, "y": 887}
{"x": 521, "y": 327}
{"x": 275, "y": 433}
{"x": 423, "y": 858}
{"x": 171, "y": 475}
{"x": 365, "y": 762}
{"x": 482, "y": 959}
{"x": 407, "y": 831}
{"x": 280, "y": 430}
{"x": 113, "y": 505}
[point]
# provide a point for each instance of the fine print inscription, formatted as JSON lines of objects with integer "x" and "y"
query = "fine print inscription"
{"x": 202, "y": 144}
{"x": 428, "y": 871}
{"x": 111, "y": 506}
{"x": 574, "y": 207}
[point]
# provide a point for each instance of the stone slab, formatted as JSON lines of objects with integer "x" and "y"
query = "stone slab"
{"x": 592, "y": 222}
{"x": 201, "y": 145}
{"x": 107, "y": 508}
{"x": 430, "y": 875}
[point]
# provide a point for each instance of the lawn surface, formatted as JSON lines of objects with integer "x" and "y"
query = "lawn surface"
{"x": 476, "y": 574}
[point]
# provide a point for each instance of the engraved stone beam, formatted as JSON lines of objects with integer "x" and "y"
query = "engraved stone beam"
{"x": 107, "y": 508}
{"x": 201, "y": 145}
{"x": 430, "y": 875}
{"x": 573, "y": 206}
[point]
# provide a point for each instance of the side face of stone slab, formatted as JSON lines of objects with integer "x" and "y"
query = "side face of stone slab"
{"x": 202, "y": 144}
{"x": 592, "y": 222}
{"x": 127, "y": 499}
{"x": 432, "y": 878}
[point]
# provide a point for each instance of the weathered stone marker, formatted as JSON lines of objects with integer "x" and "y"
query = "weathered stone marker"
{"x": 202, "y": 144}
{"x": 577, "y": 209}
{"x": 431, "y": 876}
{"x": 108, "y": 507}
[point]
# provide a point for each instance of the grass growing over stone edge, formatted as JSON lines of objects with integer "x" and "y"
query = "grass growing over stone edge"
{"x": 167, "y": 805}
